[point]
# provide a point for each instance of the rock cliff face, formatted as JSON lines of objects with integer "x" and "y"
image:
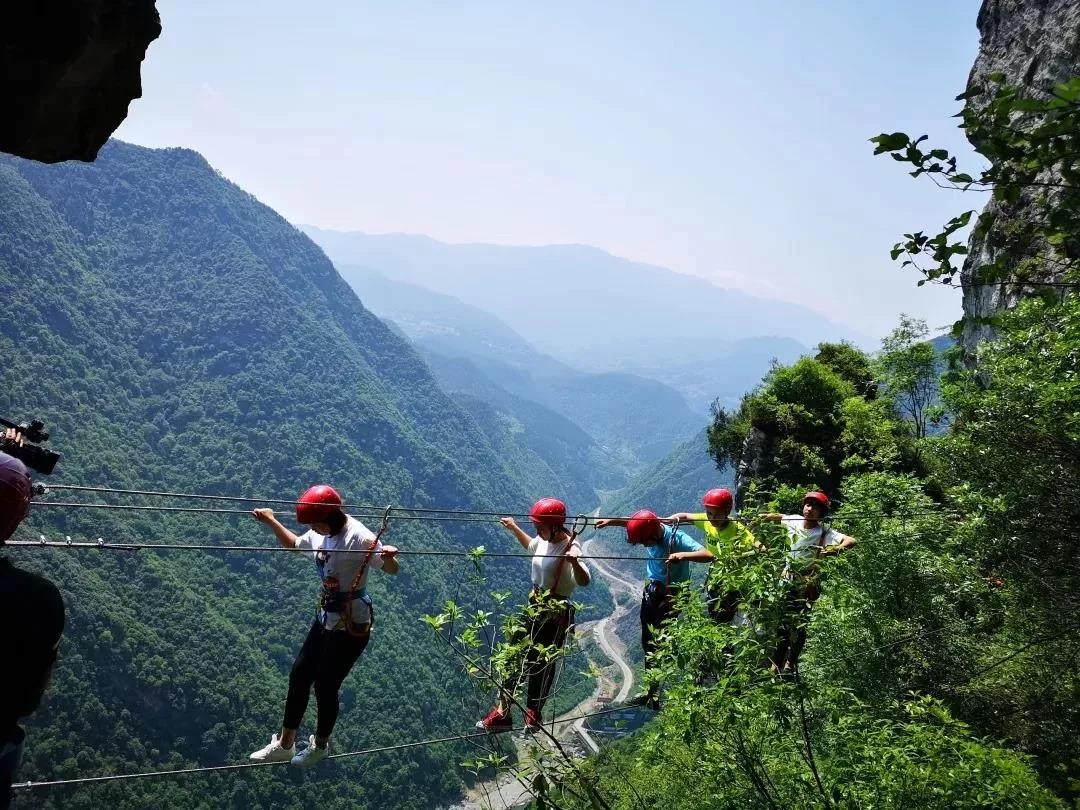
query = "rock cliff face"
{"x": 756, "y": 448}
{"x": 1036, "y": 45}
{"x": 68, "y": 70}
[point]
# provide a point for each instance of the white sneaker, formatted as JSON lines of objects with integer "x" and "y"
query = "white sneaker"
{"x": 274, "y": 752}
{"x": 311, "y": 755}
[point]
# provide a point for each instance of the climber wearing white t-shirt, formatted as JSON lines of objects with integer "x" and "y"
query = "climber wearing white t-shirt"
{"x": 810, "y": 541}
{"x": 344, "y": 550}
{"x": 557, "y": 569}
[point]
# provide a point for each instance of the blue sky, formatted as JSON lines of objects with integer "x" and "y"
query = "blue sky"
{"x": 726, "y": 140}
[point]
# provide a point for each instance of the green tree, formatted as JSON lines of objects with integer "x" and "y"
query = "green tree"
{"x": 851, "y": 364}
{"x": 1012, "y": 464}
{"x": 1009, "y": 463}
{"x": 908, "y": 369}
{"x": 799, "y": 409}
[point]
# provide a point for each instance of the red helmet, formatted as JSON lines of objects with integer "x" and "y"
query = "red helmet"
{"x": 718, "y": 499}
{"x": 15, "y": 491}
{"x": 548, "y": 512}
{"x": 318, "y": 504}
{"x": 643, "y": 528}
{"x": 818, "y": 497}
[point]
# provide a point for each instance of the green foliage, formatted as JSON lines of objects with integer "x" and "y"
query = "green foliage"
{"x": 492, "y": 665}
{"x": 176, "y": 334}
{"x": 1032, "y": 146}
{"x": 908, "y": 368}
{"x": 758, "y": 759}
{"x": 850, "y": 364}
{"x": 929, "y": 678}
{"x": 904, "y": 616}
{"x": 872, "y": 439}
{"x": 727, "y": 433}
{"x": 800, "y": 409}
{"x": 1012, "y": 461}
{"x": 675, "y": 484}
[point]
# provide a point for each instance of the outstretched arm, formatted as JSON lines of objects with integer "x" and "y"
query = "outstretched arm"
{"x": 681, "y": 517}
{"x": 846, "y": 542}
{"x": 511, "y": 524}
{"x": 701, "y": 555}
{"x": 283, "y": 535}
{"x": 603, "y": 523}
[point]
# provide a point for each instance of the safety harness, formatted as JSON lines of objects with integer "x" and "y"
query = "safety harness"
{"x": 580, "y": 523}
{"x": 654, "y": 589}
{"x": 334, "y": 600}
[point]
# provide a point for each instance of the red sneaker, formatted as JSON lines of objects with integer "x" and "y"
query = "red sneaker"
{"x": 532, "y": 720}
{"x": 495, "y": 721}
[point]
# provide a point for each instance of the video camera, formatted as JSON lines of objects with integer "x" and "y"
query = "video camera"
{"x": 30, "y": 452}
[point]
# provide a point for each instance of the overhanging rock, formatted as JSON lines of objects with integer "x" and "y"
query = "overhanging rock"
{"x": 68, "y": 70}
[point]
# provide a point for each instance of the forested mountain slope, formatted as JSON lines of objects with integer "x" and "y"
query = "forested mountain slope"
{"x": 575, "y": 462}
{"x": 674, "y": 484}
{"x": 635, "y": 420}
{"x": 175, "y": 333}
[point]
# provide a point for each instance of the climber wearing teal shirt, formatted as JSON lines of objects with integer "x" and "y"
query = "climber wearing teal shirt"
{"x": 667, "y": 567}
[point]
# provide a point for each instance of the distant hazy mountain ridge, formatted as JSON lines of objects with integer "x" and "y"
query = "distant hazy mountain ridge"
{"x": 625, "y": 421}
{"x": 596, "y": 311}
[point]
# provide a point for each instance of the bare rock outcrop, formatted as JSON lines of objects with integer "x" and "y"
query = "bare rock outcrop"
{"x": 758, "y": 446}
{"x": 68, "y": 70}
{"x": 1035, "y": 44}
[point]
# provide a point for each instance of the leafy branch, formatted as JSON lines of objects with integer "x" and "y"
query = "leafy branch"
{"x": 506, "y": 657}
{"x": 1032, "y": 146}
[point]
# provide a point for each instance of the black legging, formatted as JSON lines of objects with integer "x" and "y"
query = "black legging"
{"x": 323, "y": 661}
{"x": 657, "y": 607}
{"x": 548, "y": 628}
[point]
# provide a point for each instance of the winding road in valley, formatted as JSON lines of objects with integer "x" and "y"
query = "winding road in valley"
{"x": 610, "y": 645}
{"x": 603, "y": 629}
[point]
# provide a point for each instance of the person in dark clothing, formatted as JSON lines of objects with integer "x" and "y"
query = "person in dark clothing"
{"x": 31, "y": 623}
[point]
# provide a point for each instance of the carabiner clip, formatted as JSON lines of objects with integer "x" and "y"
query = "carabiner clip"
{"x": 580, "y": 524}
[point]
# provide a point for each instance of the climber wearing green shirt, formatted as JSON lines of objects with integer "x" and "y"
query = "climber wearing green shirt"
{"x": 729, "y": 542}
